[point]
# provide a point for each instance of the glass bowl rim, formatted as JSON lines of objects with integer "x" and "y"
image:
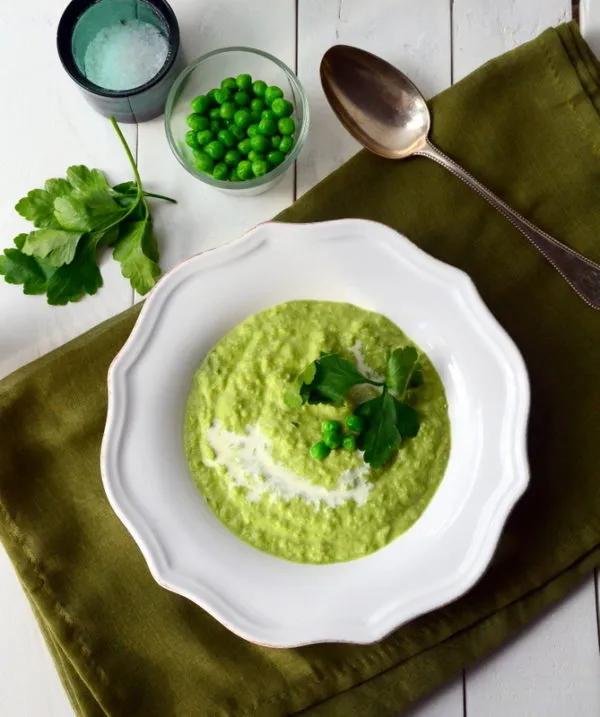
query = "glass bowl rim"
{"x": 276, "y": 171}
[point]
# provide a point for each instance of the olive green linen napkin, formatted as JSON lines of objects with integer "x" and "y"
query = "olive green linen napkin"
{"x": 527, "y": 124}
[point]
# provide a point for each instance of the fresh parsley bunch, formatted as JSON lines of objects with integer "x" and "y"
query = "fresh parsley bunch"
{"x": 74, "y": 218}
{"x": 388, "y": 417}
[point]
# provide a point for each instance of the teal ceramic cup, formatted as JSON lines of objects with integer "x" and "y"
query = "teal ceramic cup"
{"x": 135, "y": 37}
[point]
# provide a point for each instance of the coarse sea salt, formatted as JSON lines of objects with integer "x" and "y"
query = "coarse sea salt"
{"x": 125, "y": 55}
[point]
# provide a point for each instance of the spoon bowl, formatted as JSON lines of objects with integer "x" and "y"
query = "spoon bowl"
{"x": 388, "y": 115}
{"x": 376, "y": 102}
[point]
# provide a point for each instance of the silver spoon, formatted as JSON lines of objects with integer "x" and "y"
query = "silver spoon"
{"x": 387, "y": 114}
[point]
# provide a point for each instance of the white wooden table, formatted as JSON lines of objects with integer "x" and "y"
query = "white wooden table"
{"x": 553, "y": 670}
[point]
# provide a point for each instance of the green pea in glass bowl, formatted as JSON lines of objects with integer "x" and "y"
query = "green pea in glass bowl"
{"x": 236, "y": 119}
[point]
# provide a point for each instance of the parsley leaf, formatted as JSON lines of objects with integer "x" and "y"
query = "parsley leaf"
{"x": 388, "y": 422}
{"x": 82, "y": 276}
{"x": 388, "y": 418}
{"x": 407, "y": 419}
{"x": 126, "y": 188}
{"x": 90, "y": 185}
{"x": 56, "y": 246}
{"x": 37, "y": 207}
{"x": 57, "y": 188}
{"x": 19, "y": 268}
{"x": 335, "y": 376}
{"x": 401, "y": 366}
{"x": 330, "y": 379}
{"x": 381, "y": 437}
{"x": 74, "y": 217}
{"x": 92, "y": 203}
{"x": 107, "y": 237}
{"x": 137, "y": 252}
{"x": 297, "y": 396}
{"x": 72, "y": 214}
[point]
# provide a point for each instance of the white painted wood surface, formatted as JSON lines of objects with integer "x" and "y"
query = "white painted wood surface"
{"x": 589, "y": 14}
{"x": 554, "y": 668}
{"x": 482, "y": 29}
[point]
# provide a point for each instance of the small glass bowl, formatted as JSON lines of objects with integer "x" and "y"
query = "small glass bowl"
{"x": 207, "y": 72}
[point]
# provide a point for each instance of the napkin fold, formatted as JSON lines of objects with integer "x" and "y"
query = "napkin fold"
{"x": 528, "y": 125}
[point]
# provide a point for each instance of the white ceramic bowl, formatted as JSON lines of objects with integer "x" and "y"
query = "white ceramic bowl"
{"x": 260, "y": 597}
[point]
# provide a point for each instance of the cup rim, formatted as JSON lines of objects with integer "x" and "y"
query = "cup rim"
{"x": 276, "y": 171}
{"x": 66, "y": 26}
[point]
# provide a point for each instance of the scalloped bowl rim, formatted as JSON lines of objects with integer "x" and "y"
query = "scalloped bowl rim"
{"x": 369, "y": 629}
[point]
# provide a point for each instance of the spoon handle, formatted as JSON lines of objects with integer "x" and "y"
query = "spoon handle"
{"x": 580, "y": 272}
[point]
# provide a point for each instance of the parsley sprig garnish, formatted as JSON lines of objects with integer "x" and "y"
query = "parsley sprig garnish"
{"x": 389, "y": 418}
{"x": 74, "y": 218}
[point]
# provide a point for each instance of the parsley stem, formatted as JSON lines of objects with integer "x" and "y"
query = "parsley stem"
{"x": 160, "y": 196}
{"x": 136, "y": 174}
